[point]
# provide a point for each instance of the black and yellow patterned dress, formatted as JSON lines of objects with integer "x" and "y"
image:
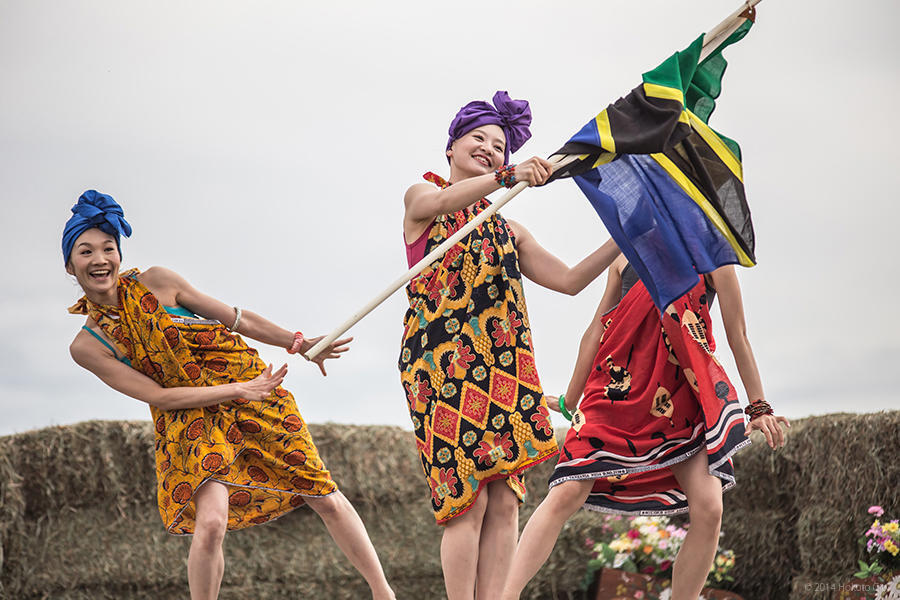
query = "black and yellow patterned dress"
{"x": 467, "y": 366}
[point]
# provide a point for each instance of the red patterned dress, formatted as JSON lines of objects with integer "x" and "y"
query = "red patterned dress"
{"x": 467, "y": 366}
{"x": 656, "y": 395}
{"x": 262, "y": 450}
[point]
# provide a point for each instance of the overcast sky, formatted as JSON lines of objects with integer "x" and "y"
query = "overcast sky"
{"x": 262, "y": 149}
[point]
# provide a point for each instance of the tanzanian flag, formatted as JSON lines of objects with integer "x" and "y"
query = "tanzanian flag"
{"x": 668, "y": 188}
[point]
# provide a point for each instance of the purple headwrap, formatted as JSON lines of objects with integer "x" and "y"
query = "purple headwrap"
{"x": 513, "y": 116}
{"x": 94, "y": 210}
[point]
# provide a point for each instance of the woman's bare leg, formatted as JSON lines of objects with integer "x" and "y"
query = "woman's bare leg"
{"x": 349, "y": 533}
{"x": 497, "y": 543}
{"x": 541, "y": 532}
{"x": 704, "y": 497}
{"x": 459, "y": 550}
{"x": 206, "y": 561}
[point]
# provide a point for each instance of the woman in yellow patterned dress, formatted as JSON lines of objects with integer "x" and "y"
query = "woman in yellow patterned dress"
{"x": 467, "y": 362}
{"x": 231, "y": 448}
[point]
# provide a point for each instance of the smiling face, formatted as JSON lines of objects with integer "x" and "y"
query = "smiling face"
{"x": 478, "y": 152}
{"x": 95, "y": 264}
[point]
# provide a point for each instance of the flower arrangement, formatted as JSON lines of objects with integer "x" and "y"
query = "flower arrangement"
{"x": 883, "y": 540}
{"x": 648, "y": 545}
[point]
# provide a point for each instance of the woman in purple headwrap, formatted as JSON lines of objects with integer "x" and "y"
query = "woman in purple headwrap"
{"x": 467, "y": 362}
{"x": 232, "y": 451}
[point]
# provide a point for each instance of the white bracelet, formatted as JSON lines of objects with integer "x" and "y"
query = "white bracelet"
{"x": 237, "y": 319}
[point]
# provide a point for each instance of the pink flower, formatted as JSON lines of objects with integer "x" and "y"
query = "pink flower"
{"x": 664, "y": 565}
{"x": 634, "y": 534}
{"x": 876, "y": 510}
{"x": 588, "y": 542}
{"x": 648, "y": 570}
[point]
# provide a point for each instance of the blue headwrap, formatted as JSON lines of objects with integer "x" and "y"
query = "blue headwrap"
{"x": 94, "y": 210}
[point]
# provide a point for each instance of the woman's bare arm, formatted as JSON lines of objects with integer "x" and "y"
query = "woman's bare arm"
{"x": 424, "y": 202}
{"x": 93, "y": 356}
{"x": 545, "y": 269}
{"x": 731, "y": 305}
{"x": 590, "y": 341}
{"x": 172, "y": 285}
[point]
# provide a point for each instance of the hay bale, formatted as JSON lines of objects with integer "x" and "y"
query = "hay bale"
{"x": 12, "y": 510}
{"x": 827, "y": 538}
{"x": 765, "y": 546}
{"x": 848, "y": 460}
{"x": 78, "y": 516}
{"x": 764, "y": 477}
{"x": 84, "y": 465}
{"x": 372, "y": 464}
{"x": 805, "y": 587}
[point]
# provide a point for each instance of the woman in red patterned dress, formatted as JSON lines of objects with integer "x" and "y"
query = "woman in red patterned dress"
{"x": 231, "y": 449}
{"x": 467, "y": 363}
{"x": 658, "y": 423}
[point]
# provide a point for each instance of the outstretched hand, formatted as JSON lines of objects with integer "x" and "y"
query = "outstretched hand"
{"x": 770, "y": 425}
{"x": 334, "y": 350}
{"x": 259, "y": 387}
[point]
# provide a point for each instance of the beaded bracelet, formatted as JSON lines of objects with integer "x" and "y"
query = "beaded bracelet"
{"x": 298, "y": 342}
{"x": 506, "y": 175}
{"x": 562, "y": 407}
{"x": 757, "y": 408}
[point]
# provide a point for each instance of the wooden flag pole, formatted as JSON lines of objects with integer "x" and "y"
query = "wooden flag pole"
{"x": 710, "y": 43}
{"x": 723, "y": 30}
{"x": 426, "y": 262}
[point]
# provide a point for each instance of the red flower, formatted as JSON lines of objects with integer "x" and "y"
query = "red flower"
{"x": 257, "y": 474}
{"x": 195, "y": 429}
{"x": 249, "y": 426}
{"x": 212, "y": 461}
{"x": 452, "y": 280}
{"x": 171, "y": 335}
{"x": 450, "y": 256}
{"x": 462, "y": 358}
{"x": 434, "y": 287}
{"x": 182, "y": 492}
{"x": 487, "y": 250}
{"x": 295, "y": 458}
{"x": 418, "y": 391}
{"x": 239, "y": 498}
{"x": 302, "y": 484}
{"x": 541, "y": 420}
{"x": 490, "y": 453}
{"x": 192, "y": 370}
{"x": 149, "y": 303}
{"x": 234, "y": 435}
{"x": 217, "y": 364}
{"x": 444, "y": 485}
{"x": 292, "y": 423}
{"x": 505, "y": 330}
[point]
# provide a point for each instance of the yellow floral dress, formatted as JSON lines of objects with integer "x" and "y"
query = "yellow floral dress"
{"x": 262, "y": 450}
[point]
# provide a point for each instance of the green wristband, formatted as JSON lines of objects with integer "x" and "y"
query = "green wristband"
{"x": 562, "y": 407}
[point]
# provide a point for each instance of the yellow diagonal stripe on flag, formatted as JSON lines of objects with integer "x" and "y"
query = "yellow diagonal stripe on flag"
{"x": 697, "y": 196}
{"x": 654, "y": 90}
{"x": 606, "y": 139}
{"x": 718, "y": 146}
{"x": 606, "y": 157}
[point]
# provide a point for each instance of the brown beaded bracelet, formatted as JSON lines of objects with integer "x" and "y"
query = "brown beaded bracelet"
{"x": 757, "y": 408}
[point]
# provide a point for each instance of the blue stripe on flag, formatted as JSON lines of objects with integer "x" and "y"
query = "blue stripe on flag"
{"x": 659, "y": 228}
